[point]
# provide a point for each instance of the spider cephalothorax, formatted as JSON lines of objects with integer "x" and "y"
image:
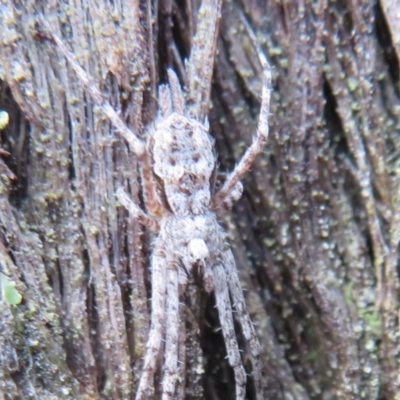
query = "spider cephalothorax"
{"x": 182, "y": 154}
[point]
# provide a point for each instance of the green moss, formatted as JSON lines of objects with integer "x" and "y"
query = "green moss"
{"x": 275, "y": 51}
{"x": 4, "y": 119}
{"x": 372, "y": 320}
{"x": 9, "y": 293}
{"x": 284, "y": 62}
{"x": 352, "y": 83}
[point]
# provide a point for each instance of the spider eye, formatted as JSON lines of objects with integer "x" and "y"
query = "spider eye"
{"x": 196, "y": 157}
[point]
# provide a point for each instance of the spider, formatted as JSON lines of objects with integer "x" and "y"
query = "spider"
{"x": 178, "y": 170}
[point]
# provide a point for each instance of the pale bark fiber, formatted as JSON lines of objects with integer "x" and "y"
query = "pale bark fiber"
{"x": 315, "y": 235}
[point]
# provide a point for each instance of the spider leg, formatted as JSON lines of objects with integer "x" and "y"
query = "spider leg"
{"x": 172, "y": 334}
{"x": 258, "y": 142}
{"x": 227, "y": 203}
{"x": 201, "y": 62}
{"x": 159, "y": 287}
{"x": 136, "y": 145}
{"x": 180, "y": 393}
{"x": 243, "y": 316}
{"x": 236, "y": 292}
{"x": 164, "y": 100}
{"x": 178, "y": 100}
{"x": 135, "y": 211}
{"x": 228, "y": 329}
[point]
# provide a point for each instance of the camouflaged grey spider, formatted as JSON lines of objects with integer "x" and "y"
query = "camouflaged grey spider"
{"x": 178, "y": 163}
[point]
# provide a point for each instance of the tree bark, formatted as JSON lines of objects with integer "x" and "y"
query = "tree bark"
{"x": 315, "y": 235}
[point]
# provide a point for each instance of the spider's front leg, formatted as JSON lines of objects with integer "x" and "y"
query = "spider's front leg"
{"x": 230, "y": 185}
{"x": 136, "y": 144}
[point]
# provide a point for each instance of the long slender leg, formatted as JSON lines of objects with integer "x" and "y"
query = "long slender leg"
{"x": 164, "y": 100}
{"x": 172, "y": 335}
{"x": 243, "y": 316}
{"x": 181, "y": 389}
{"x": 201, "y": 62}
{"x": 178, "y": 101}
{"x": 227, "y": 203}
{"x": 135, "y": 211}
{"x": 136, "y": 145}
{"x": 258, "y": 142}
{"x": 228, "y": 330}
{"x": 153, "y": 346}
{"x": 239, "y": 303}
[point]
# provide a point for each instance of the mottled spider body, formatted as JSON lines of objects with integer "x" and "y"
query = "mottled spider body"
{"x": 183, "y": 160}
{"x": 178, "y": 166}
{"x": 190, "y": 242}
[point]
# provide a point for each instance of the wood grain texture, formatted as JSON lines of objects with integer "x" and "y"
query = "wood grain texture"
{"x": 315, "y": 235}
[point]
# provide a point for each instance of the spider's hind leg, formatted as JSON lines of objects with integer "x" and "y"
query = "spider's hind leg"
{"x": 243, "y": 317}
{"x": 228, "y": 329}
{"x": 171, "y": 368}
{"x": 154, "y": 343}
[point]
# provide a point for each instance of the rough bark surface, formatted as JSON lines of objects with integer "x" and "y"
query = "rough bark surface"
{"x": 315, "y": 235}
